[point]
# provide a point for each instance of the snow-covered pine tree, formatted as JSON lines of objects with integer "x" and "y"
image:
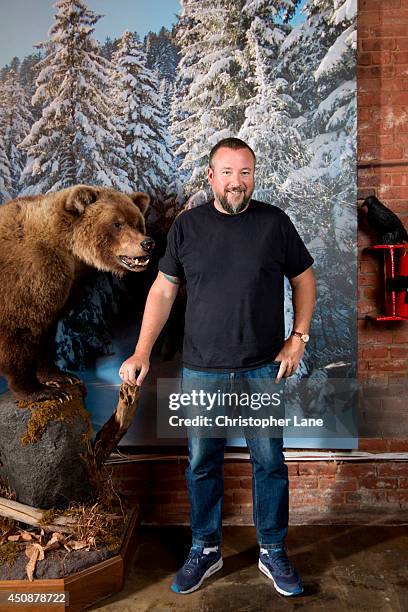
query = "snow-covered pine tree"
{"x": 334, "y": 147}
{"x": 109, "y": 48}
{"x": 161, "y": 54}
{"x": 327, "y": 105}
{"x": 286, "y": 93}
{"x": 319, "y": 58}
{"x": 328, "y": 117}
{"x": 28, "y": 74}
{"x": 5, "y": 175}
{"x": 268, "y": 126}
{"x": 142, "y": 120}
{"x": 13, "y": 65}
{"x": 15, "y": 123}
{"x": 335, "y": 114}
{"x": 75, "y": 140}
{"x": 214, "y": 77}
{"x": 162, "y": 59}
{"x": 178, "y": 112}
{"x": 299, "y": 55}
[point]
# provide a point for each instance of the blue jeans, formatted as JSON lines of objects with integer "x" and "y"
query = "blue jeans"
{"x": 205, "y": 478}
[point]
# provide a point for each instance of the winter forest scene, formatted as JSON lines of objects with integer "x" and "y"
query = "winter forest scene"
{"x": 142, "y": 111}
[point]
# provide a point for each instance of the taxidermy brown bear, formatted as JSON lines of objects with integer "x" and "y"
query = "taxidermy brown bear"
{"x": 47, "y": 243}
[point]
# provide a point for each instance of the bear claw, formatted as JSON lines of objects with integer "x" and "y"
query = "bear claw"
{"x": 47, "y": 394}
{"x": 60, "y": 380}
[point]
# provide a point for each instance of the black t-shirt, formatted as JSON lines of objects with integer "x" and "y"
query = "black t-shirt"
{"x": 234, "y": 268}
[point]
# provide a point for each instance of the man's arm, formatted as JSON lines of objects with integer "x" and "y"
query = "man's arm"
{"x": 303, "y": 299}
{"x": 159, "y": 302}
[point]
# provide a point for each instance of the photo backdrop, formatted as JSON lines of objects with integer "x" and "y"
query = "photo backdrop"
{"x": 140, "y": 111}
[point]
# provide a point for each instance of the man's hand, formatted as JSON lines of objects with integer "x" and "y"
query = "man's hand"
{"x": 128, "y": 369}
{"x": 290, "y": 355}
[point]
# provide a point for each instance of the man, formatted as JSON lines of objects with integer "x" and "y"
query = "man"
{"x": 233, "y": 253}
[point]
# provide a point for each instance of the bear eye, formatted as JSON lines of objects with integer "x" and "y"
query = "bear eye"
{"x": 117, "y": 225}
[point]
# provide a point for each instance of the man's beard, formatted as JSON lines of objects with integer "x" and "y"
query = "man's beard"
{"x": 233, "y": 210}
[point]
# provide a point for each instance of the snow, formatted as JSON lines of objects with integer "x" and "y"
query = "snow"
{"x": 336, "y": 98}
{"x": 334, "y": 56}
{"x": 296, "y": 36}
{"x": 338, "y": 119}
{"x": 5, "y": 175}
{"x": 15, "y": 119}
{"x": 346, "y": 12}
{"x": 141, "y": 118}
{"x": 75, "y": 140}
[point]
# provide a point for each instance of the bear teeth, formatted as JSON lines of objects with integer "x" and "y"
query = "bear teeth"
{"x": 132, "y": 262}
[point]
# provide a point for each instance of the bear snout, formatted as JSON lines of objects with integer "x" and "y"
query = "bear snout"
{"x": 135, "y": 256}
{"x": 148, "y": 244}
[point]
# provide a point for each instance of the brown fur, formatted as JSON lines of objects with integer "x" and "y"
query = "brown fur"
{"x": 46, "y": 243}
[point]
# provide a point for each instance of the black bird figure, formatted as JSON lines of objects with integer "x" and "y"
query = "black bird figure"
{"x": 385, "y": 222}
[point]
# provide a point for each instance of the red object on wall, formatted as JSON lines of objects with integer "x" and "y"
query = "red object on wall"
{"x": 395, "y": 267}
{"x": 402, "y": 296}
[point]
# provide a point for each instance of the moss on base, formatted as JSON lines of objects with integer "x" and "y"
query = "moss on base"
{"x": 52, "y": 410}
{"x": 9, "y": 552}
{"x": 49, "y": 516}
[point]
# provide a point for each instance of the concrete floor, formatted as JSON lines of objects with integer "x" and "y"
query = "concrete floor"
{"x": 353, "y": 569}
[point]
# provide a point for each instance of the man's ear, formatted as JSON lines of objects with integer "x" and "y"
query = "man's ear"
{"x": 142, "y": 200}
{"x": 79, "y": 198}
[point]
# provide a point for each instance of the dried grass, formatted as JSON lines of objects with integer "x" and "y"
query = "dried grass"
{"x": 100, "y": 524}
{"x": 6, "y": 524}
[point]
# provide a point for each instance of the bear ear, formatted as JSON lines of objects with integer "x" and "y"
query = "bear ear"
{"x": 142, "y": 200}
{"x": 79, "y": 198}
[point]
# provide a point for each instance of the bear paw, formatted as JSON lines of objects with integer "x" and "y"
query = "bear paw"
{"x": 57, "y": 378}
{"x": 48, "y": 394}
{"x": 60, "y": 380}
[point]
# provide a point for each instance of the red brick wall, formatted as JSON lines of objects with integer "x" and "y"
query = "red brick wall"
{"x": 320, "y": 491}
{"x": 329, "y": 491}
{"x": 382, "y": 77}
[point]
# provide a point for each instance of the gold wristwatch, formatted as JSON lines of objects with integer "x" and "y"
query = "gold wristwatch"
{"x": 304, "y": 337}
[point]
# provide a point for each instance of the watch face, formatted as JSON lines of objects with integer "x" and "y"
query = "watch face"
{"x": 305, "y": 337}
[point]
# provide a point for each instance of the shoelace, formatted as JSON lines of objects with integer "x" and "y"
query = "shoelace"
{"x": 192, "y": 560}
{"x": 279, "y": 558}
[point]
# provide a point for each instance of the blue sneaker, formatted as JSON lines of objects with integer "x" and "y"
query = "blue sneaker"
{"x": 200, "y": 564}
{"x": 276, "y": 565}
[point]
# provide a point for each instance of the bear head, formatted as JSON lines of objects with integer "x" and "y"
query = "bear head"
{"x": 108, "y": 228}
